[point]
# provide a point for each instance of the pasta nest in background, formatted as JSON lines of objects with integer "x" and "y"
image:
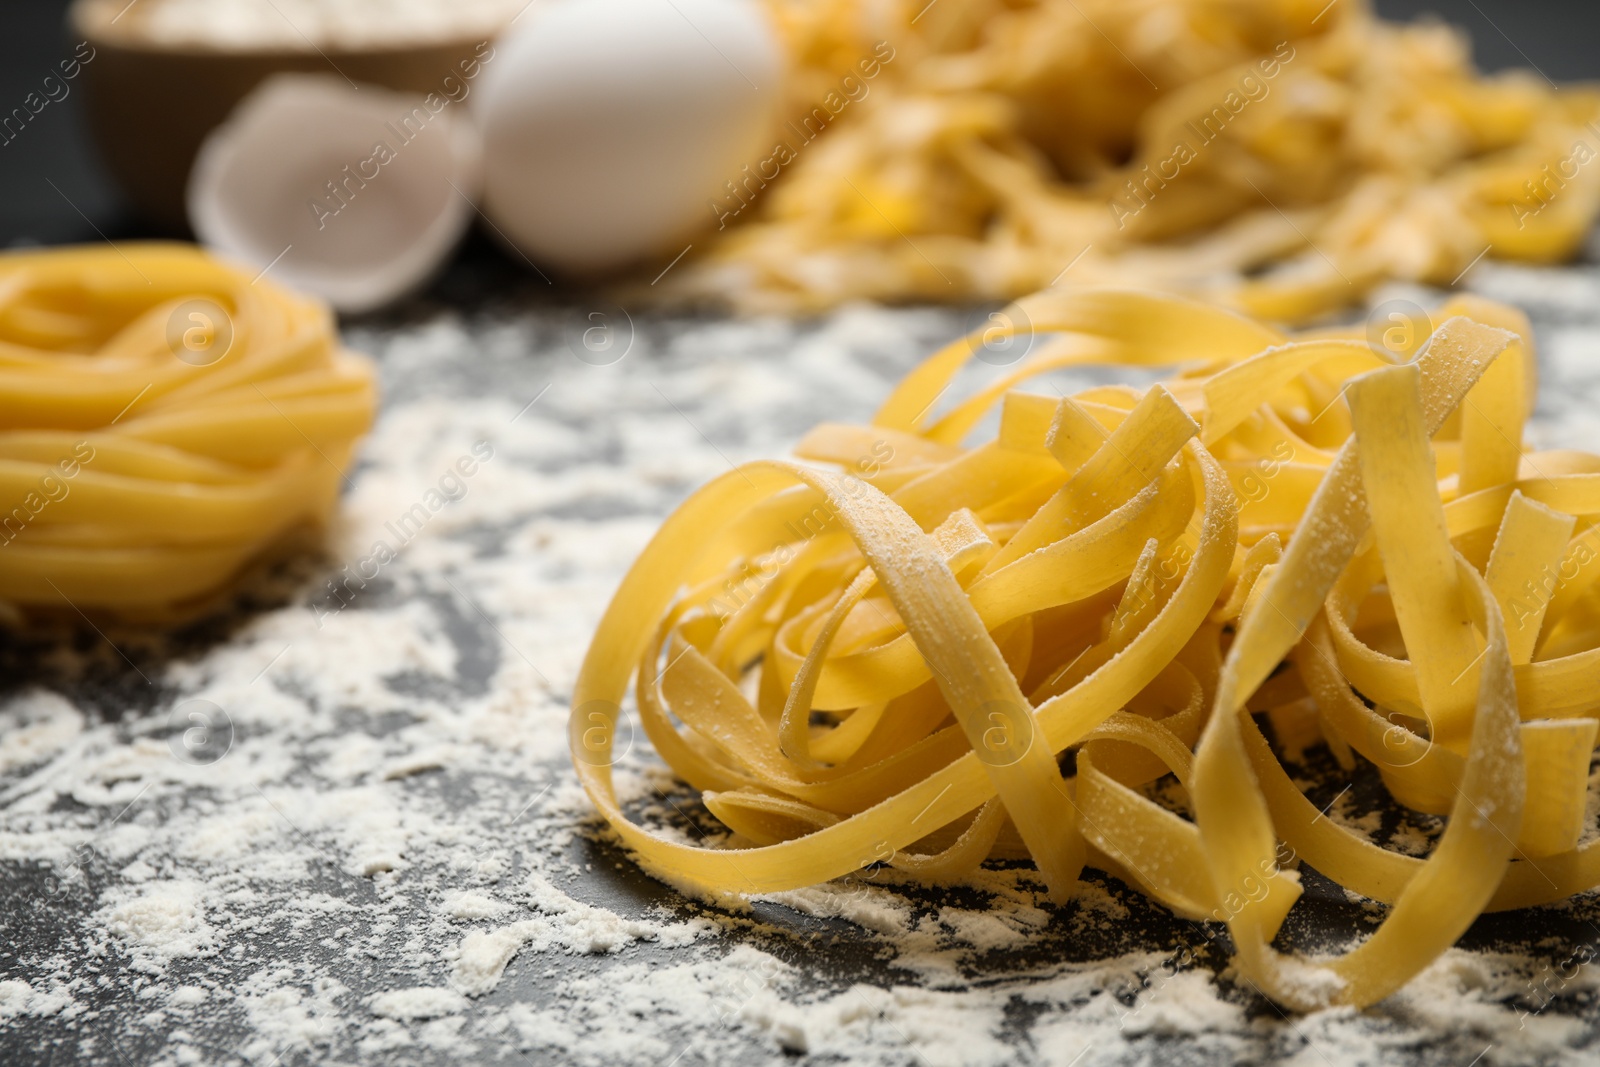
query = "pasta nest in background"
{"x": 165, "y": 418}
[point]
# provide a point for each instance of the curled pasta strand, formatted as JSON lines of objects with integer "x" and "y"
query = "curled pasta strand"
{"x": 894, "y": 668}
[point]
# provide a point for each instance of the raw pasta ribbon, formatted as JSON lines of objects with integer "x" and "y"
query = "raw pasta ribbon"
{"x": 905, "y": 647}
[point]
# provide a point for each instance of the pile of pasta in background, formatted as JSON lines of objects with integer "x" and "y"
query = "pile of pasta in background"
{"x": 1281, "y": 156}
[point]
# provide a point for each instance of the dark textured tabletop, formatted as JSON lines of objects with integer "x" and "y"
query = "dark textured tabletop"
{"x": 373, "y": 849}
{"x": 376, "y": 851}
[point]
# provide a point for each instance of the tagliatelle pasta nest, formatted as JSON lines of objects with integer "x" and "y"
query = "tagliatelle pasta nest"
{"x": 1281, "y": 156}
{"x": 164, "y": 419}
{"x": 882, "y": 651}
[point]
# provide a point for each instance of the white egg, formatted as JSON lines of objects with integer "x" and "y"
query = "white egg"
{"x": 610, "y": 126}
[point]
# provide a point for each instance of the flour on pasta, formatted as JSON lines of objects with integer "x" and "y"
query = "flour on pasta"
{"x": 392, "y": 859}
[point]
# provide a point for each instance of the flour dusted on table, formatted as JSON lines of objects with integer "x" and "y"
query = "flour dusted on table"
{"x": 392, "y": 861}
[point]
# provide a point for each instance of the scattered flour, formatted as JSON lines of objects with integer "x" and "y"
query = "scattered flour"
{"x": 394, "y": 863}
{"x": 159, "y": 922}
{"x": 468, "y": 904}
{"x": 20, "y": 998}
{"x": 423, "y": 1002}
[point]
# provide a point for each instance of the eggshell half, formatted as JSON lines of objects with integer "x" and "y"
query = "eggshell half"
{"x": 356, "y": 195}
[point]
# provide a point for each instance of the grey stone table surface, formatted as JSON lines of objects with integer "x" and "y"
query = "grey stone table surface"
{"x": 335, "y": 823}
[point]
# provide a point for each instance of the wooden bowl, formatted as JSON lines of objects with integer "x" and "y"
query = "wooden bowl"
{"x": 151, "y": 105}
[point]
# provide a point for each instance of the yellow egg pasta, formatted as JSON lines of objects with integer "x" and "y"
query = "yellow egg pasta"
{"x": 1282, "y": 156}
{"x": 882, "y": 651}
{"x": 164, "y": 419}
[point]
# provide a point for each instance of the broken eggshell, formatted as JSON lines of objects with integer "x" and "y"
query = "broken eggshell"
{"x": 355, "y": 195}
